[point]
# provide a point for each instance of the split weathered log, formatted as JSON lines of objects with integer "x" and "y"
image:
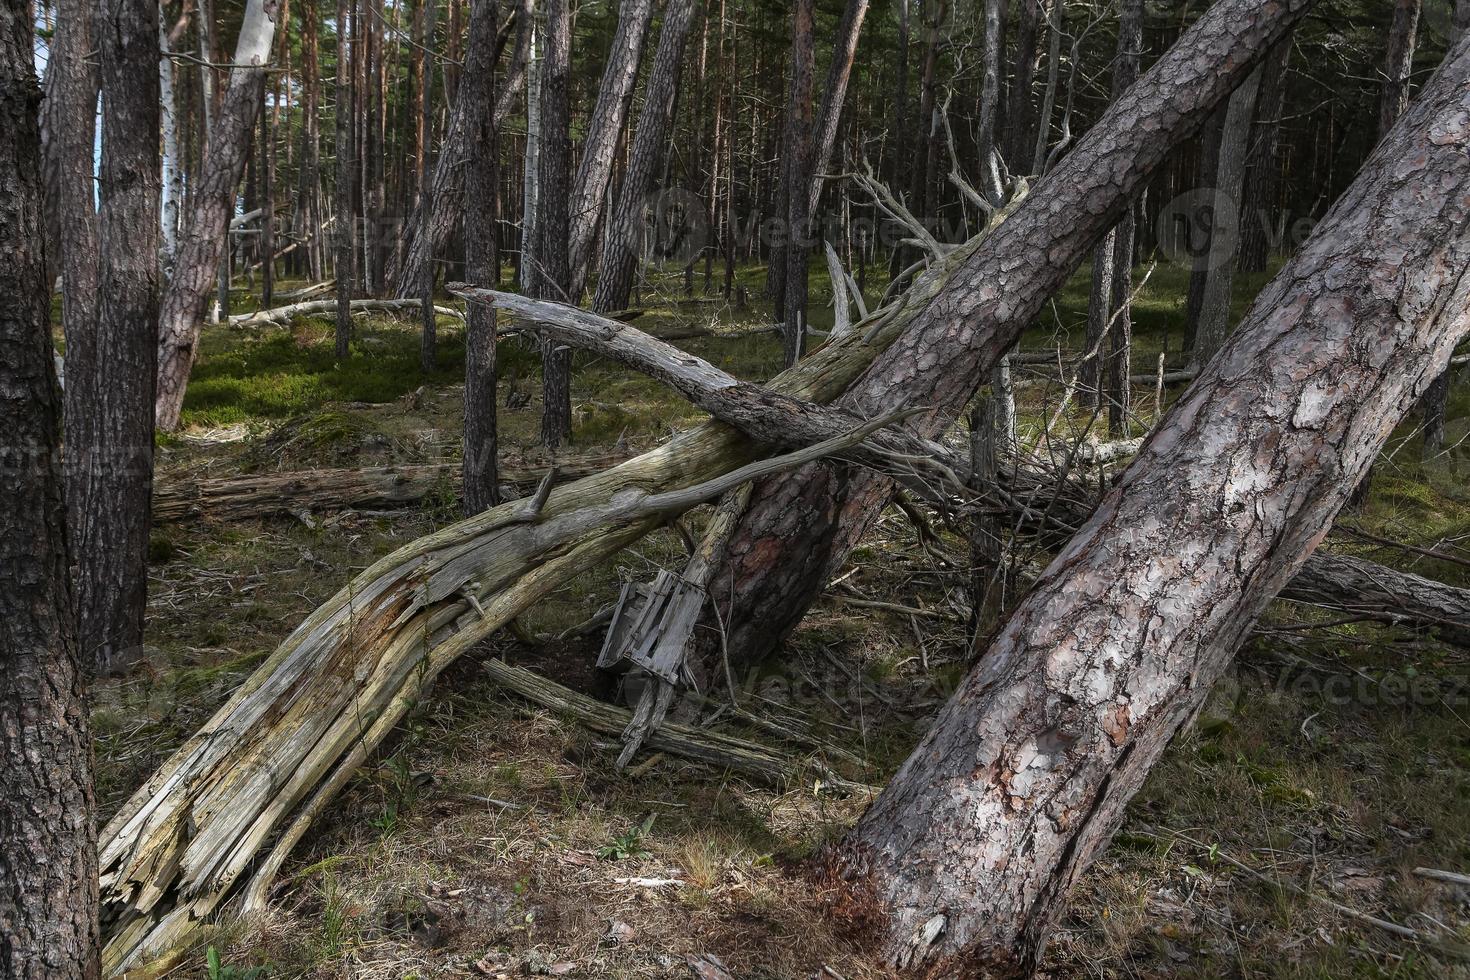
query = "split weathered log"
{"x": 292, "y": 492}
{"x": 713, "y": 748}
{"x": 282, "y": 315}
{"x": 972, "y": 849}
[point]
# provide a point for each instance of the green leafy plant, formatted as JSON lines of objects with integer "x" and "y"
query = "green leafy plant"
{"x": 628, "y": 845}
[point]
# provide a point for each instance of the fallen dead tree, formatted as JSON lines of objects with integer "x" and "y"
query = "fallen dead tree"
{"x": 226, "y": 808}
{"x": 282, "y": 315}
{"x": 244, "y": 497}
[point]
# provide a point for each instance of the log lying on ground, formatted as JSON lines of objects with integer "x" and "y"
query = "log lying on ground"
{"x": 714, "y": 748}
{"x": 253, "y": 779}
{"x": 244, "y": 497}
{"x": 971, "y": 850}
{"x": 281, "y": 315}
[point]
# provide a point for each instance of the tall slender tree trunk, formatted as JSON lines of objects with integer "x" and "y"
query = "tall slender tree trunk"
{"x": 796, "y": 151}
{"x": 976, "y": 842}
{"x": 110, "y": 457}
{"x": 1109, "y": 319}
{"x": 211, "y": 204}
{"x": 267, "y": 209}
{"x": 429, "y": 336}
{"x": 1020, "y": 123}
{"x": 1398, "y": 63}
{"x": 553, "y": 278}
{"x": 173, "y": 164}
{"x": 312, "y": 219}
{"x": 342, "y": 186}
{"x": 800, "y": 527}
{"x": 989, "y": 110}
{"x": 48, "y": 843}
{"x": 481, "y": 261}
{"x": 622, "y": 244}
{"x": 1214, "y": 314}
{"x": 604, "y": 131}
{"x": 834, "y": 96}
{"x": 1054, "y": 19}
{"x": 1258, "y": 204}
{"x": 531, "y": 163}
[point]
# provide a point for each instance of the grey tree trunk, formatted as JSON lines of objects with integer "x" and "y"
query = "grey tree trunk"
{"x": 48, "y": 847}
{"x": 987, "y": 149}
{"x": 622, "y": 245}
{"x": 973, "y": 846}
{"x": 481, "y": 261}
{"x": 1108, "y": 314}
{"x": 604, "y": 132}
{"x": 212, "y": 202}
{"x": 553, "y": 230}
{"x": 824, "y": 136}
{"x": 1020, "y": 124}
{"x": 1214, "y": 312}
{"x": 342, "y": 261}
{"x": 796, "y": 152}
{"x": 800, "y": 527}
{"x": 429, "y": 334}
{"x": 531, "y": 167}
{"x": 110, "y": 457}
{"x": 1398, "y": 62}
{"x": 1258, "y": 206}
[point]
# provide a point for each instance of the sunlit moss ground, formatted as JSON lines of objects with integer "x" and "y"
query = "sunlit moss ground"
{"x": 489, "y": 837}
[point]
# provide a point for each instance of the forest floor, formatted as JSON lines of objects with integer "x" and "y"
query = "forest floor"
{"x": 495, "y": 839}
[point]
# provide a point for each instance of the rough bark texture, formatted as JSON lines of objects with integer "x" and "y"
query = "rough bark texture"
{"x": 211, "y": 203}
{"x": 482, "y": 266}
{"x": 1020, "y": 124}
{"x": 110, "y": 456}
{"x": 800, "y": 527}
{"x": 553, "y": 275}
{"x": 604, "y": 131}
{"x": 1026, "y": 772}
{"x": 622, "y": 244}
{"x": 48, "y": 856}
{"x": 68, "y": 132}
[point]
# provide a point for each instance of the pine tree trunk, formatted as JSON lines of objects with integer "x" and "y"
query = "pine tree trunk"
{"x": 212, "y": 202}
{"x": 482, "y": 261}
{"x": 553, "y": 278}
{"x": 622, "y": 245}
{"x": 173, "y": 164}
{"x": 604, "y": 131}
{"x": 48, "y": 852}
{"x": 975, "y": 843}
{"x": 111, "y": 458}
{"x": 799, "y": 528}
{"x": 1214, "y": 311}
{"x": 1020, "y": 124}
{"x": 1398, "y": 63}
{"x": 342, "y": 186}
{"x": 796, "y": 166}
{"x": 989, "y": 112}
{"x": 834, "y": 96}
{"x": 1258, "y": 204}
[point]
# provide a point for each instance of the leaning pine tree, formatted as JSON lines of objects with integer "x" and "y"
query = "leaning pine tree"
{"x": 973, "y": 846}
